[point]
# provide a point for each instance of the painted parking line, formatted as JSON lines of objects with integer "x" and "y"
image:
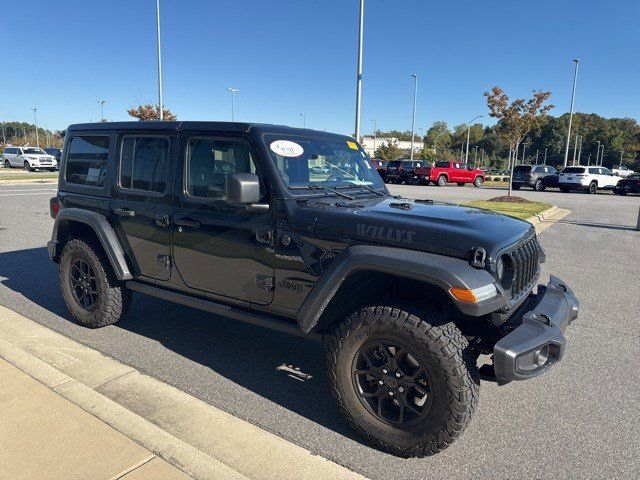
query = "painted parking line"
{"x": 25, "y": 194}
{"x": 28, "y": 190}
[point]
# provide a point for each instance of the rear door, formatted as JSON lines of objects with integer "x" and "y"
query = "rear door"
{"x": 141, "y": 201}
{"x": 220, "y": 248}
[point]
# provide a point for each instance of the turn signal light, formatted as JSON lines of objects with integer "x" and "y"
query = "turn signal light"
{"x": 474, "y": 296}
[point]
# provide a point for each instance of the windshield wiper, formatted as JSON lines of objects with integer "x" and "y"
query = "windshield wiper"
{"x": 372, "y": 190}
{"x": 320, "y": 187}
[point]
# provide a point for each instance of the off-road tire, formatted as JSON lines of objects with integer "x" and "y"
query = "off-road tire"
{"x": 113, "y": 298}
{"x": 442, "y": 181}
{"x": 443, "y": 350}
{"x": 478, "y": 181}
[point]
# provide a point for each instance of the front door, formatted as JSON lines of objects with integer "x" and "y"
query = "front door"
{"x": 220, "y": 248}
{"x": 141, "y": 201}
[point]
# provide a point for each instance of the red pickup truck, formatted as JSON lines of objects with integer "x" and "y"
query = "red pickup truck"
{"x": 455, "y": 172}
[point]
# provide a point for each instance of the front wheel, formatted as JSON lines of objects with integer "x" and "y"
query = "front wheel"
{"x": 403, "y": 378}
{"x": 538, "y": 186}
{"x": 27, "y": 166}
{"x": 478, "y": 182}
{"x": 442, "y": 181}
{"x": 90, "y": 290}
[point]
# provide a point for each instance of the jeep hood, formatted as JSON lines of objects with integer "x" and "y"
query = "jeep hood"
{"x": 433, "y": 227}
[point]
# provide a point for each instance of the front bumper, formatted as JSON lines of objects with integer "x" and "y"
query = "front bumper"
{"x": 538, "y": 343}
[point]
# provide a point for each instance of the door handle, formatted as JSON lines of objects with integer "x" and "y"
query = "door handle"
{"x": 162, "y": 220}
{"x": 187, "y": 222}
{"x": 124, "y": 212}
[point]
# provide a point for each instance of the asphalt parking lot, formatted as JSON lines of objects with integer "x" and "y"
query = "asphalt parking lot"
{"x": 578, "y": 421}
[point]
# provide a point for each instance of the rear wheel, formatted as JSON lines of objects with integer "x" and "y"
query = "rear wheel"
{"x": 593, "y": 188}
{"x": 442, "y": 181}
{"x": 91, "y": 292}
{"x": 7, "y": 164}
{"x": 478, "y": 182}
{"x": 403, "y": 378}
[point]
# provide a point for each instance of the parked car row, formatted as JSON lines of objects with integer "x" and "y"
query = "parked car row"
{"x": 537, "y": 177}
{"x": 419, "y": 172}
{"x": 31, "y": 158}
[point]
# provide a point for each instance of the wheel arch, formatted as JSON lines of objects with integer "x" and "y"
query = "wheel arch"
{"x": 364, "y": 274}
{"x": 74, "y": 223}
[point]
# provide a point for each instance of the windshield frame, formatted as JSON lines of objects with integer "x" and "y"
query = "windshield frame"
{"x": 299, "y": 190}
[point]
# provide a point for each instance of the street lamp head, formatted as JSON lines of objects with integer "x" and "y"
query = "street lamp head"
{"x": 233, "y": 90}
{"x": 576, "y": 60}
{"x": 414, "y": 75}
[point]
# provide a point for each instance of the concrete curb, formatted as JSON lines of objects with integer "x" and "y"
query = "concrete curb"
{"x": 547, "y": 218}
{"x": 199, "y": 439}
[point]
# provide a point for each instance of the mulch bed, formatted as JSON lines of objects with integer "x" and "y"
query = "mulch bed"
{"x": 506, "y": 199}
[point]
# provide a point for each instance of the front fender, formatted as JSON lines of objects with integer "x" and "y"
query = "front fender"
{"x": 103, "y": 230}
{"x": 441, "y": 271}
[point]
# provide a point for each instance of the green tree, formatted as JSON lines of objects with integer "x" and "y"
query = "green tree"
{"x": 148, "y": 112}
{"x": 438, "y": 136}
{"x": 389, "y": 151}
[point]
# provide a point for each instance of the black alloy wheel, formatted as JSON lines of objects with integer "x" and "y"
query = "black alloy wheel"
{"x": 83, "y": 284}
{"x": 392, "y": 383}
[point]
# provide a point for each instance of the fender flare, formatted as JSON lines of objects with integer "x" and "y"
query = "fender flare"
{"x": 439, "y": 270}
{"x": 103, "y": 230}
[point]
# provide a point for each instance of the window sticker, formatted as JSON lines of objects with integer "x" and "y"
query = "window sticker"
{"x": 286, "y": 148}
{"x": 352, "y": 145}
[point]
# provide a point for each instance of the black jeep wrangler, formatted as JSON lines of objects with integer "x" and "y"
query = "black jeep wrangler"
{"x": 293, "y": 229}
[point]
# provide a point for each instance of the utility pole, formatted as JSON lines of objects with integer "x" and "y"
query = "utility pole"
{"x": 466, "y": 158}
{"x": 35, "y": 119}
{"x": 580, "y": 150}
{"x": 359, "y": 71}
{"x": 545, "y": 155}
{"x": 413, "y": 122}
{"x": 102, "y": 102}
{"x": 375, "y": 129}
{"x": 233, "y": 103}
{"x": 160, "y": 104}
{"x": 573, "y": 96}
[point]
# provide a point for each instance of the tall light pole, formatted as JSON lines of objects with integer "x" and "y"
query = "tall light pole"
{"x": 359, "y": 72}
{"x": 413, "y": 122}
{"x": 160, "y": 104}
{"x": 580, "y": 150}
{"x": 602, "y": 155}
{"x": 545, "y": 155}
{"x": 466, "y": 157}
{"x": 598, "y": 152}
{"x": 35, "y": 120}
{"x": 375, "y": 130}
{"x": 524, "y": 149}
{"x": 573, "y": 97}
{"x": 304, "y": 120}
{"x": 575, "y": 148}
{"x": 233, "y": 103}
{"x": 102, "y": 102}
{"x": 46, "y": 131}
{"x": 537, "y": 157}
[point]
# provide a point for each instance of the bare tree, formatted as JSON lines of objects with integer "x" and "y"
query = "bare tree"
{"x": 516, "y": 118}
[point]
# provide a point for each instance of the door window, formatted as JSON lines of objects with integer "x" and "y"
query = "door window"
{"x": 209, "y": 161}
{"x": 143, "y": 163}
{"x": 87, "y": 160}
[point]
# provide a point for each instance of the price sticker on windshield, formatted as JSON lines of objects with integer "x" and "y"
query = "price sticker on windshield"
{"x": 353, "y": 145}
{"x": 286, "y": 148}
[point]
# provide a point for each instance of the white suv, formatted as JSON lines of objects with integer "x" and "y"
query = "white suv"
{"x": 590, "y": 179}
{"x": 622, "y": 171}
{"x": 28, "y": 158}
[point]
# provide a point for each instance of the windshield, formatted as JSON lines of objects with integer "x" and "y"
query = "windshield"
{"x": 307, "y": 160}
{"x": 34, "y": 151}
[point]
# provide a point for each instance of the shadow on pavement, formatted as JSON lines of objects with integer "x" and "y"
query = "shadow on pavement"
{"x": 245, "y": 354}
{"x": 600, "y": 225}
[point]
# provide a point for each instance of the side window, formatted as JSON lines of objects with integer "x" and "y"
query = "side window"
{"x": 87, "y": 160}
{"x": 605, "y": 171}
{"x": 143, "y": 163}
{"x": 594, "y": 171}
{"x": 209, "y": 161}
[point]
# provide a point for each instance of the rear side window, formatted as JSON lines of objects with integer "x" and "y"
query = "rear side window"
{"x": 573, "y": 170}
{"x": 209, "y": 161}
{"x": 143, "y": 163}
{"x": 594, "y": 171}
{"x": 442, "y": 164}
{"x": 87, "y": 160}
{"x": 522, "y": 169}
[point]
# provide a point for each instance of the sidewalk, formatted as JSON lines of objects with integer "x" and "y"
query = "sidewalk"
{"x": 45, "y": 436}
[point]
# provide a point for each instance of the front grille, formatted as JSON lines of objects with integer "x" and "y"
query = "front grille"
{"x": 526, "y": 263}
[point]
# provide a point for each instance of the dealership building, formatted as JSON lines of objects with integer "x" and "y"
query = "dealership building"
{"x": 371, "y": 144}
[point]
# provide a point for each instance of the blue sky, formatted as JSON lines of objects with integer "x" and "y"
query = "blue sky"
{"x": 288, "y": 57}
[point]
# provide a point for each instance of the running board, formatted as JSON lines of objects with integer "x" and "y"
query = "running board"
{"x": 254, "y": 318}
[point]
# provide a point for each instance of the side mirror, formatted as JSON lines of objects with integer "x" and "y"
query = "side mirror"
{"x": 244, "y": 189}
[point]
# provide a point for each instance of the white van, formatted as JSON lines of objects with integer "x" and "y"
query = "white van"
{"x": 28, "y": 158}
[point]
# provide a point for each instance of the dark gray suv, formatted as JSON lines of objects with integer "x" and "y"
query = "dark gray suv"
{"x": 538, "y": 177}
